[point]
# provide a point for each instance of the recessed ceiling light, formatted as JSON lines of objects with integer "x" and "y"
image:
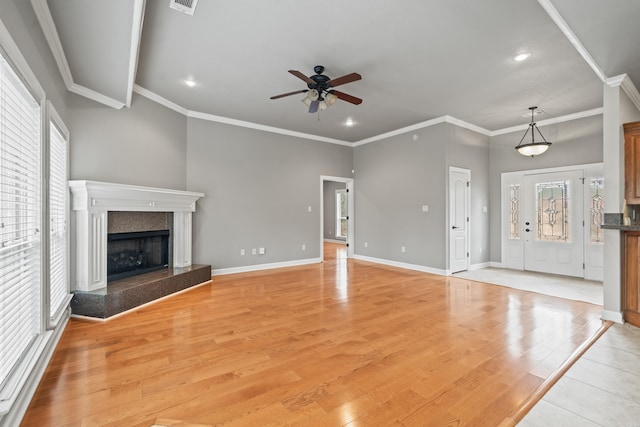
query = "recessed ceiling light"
{"x": 521, "y": 56}
{"x": 190, "y": 82}
{"x": 349, "y": 122}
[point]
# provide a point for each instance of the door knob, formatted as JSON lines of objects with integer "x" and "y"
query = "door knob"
{"x": 527, "y": 230}
{"x": 454, "y": 227}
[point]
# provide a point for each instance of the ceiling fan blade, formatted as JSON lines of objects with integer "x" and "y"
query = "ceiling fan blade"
{"x": 301, "y": 76}
{"x": 347, "y": 97}
{"x": 344, "y": 79}
{"x": 289, "y": 93}
{"x": 314, "y": 106}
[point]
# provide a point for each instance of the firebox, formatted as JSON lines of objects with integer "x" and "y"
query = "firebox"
{"x": 130, "y": 254}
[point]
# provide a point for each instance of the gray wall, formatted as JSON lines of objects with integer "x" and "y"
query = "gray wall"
{"x": 258, "y": 187}
{"x": 394, "y": 177}
{"x": 573, "y": 143}
{"x": 142, "y": 145}
{"x": 329, "y": 202}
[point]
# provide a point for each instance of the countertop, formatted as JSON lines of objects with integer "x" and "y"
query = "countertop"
{"x": 633, "y": 227}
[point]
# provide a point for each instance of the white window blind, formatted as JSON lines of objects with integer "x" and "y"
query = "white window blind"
{"x": 58, "y": 278}
{"x": 20, "y": 208}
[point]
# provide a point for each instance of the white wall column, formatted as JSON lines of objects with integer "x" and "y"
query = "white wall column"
{"x": 613, "y": 159}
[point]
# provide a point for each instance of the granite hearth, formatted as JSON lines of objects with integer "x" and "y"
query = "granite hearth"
{"x": 125, "y": 294}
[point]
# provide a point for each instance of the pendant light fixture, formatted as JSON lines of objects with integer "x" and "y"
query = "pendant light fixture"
{"x": 532, "y": 148}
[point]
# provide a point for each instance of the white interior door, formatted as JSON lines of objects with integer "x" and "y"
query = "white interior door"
{"x": 552, "y": 223}
{"x": 459, "y": 181}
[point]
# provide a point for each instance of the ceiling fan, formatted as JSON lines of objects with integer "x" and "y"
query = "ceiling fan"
{"x": 320, "y": 94}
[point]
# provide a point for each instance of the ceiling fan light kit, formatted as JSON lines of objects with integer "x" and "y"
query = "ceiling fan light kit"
{"x": 320, "y": 94}
{"x": 532, "y": 148}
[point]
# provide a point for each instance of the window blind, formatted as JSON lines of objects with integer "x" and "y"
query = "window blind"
{"x": 58, "y": 278}
{"x": 20, "y": 207}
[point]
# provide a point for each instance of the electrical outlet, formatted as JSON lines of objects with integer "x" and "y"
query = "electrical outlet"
{"x": 402, "y": 249}
{"x": 366, "y": 244}
{"x": 253, "y": 251}
{"x": 241, "y": 252}
{"x": 261, "y": 251}
{"x": 304, "y": 247}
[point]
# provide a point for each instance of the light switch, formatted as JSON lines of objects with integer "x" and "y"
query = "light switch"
{"x": 425, "y": 208}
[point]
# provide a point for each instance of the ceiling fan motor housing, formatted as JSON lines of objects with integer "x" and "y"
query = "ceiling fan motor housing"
{"x": 320, "y": 82}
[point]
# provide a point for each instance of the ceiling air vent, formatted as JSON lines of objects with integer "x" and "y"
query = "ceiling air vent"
{"x": 186, "y": 6}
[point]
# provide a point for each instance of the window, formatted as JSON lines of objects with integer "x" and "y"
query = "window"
{"x": 552, "y": 211}
{"x": 341, "y": 214}
{"x": 20, "y": 219}
{"x": 514, "y": 211}
{"x": 596, "y": 210}
{"x": 58, "y": 201}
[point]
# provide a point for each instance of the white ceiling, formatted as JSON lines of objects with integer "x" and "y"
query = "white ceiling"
{"x": 419, "y": 59}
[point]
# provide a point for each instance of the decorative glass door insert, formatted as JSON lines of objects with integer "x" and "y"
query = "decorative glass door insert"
{"x": 553, "y": 211}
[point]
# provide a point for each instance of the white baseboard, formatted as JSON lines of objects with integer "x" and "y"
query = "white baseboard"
{"x": 258, "y": 267}
{"x": 495, "y": 264}
{"x": 344, "y": 242}
{"x": 479, "y": 266}
{"x": 415, "y": 267}
{"x": 614, "y": 316}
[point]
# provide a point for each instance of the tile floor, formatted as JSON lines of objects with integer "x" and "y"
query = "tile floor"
{"x": 601, "y": 389}
{"x": 548, "y": 284}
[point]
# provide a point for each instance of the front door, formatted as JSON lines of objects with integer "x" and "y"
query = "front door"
{"x": 552, "y": 224}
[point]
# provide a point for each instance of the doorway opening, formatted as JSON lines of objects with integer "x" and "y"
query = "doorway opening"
{"x": 336, "y": 217}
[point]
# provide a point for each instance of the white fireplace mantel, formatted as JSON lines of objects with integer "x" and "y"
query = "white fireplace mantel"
{"x": 91, "y": 202}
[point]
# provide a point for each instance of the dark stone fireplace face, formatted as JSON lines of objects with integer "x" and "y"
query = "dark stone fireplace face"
{"x": 130, "y": 254}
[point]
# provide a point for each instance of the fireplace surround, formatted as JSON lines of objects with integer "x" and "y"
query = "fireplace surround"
{"x": 91, "y": 203}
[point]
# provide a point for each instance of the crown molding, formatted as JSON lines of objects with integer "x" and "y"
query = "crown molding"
{"x": 95, "y": 96}
{"x": 438, "y": 120}
{"x": 467, "y": 125}
{"x": 159, "y": 100}
{"x": 628, "y": 87}
{"x": 566, "y": 118}
{"x": 400, "y": 131}
{"x": 573, "y": 39}
{"x": 251, "y": 125}
{"x": 134, "y": 52}
{"x": 51, "y": 35}
{"x": 234, "y": 122}
{"x": 422, "y": 125}
{"x": 41, "y": 9}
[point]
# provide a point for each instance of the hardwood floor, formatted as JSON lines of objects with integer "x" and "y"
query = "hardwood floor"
{"x": 340, "y": 343}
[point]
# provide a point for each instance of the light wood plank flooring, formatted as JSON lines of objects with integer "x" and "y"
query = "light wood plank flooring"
{"x": 340, "y": 343}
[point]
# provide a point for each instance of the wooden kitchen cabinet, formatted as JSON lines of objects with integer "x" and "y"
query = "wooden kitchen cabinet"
{"x": 631, "y": 283}
{"x": 632, "y": 163}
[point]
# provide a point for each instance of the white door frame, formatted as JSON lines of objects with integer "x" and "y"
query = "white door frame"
{"x": 350, "y": 210}
{"x": 466, "y": 225}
